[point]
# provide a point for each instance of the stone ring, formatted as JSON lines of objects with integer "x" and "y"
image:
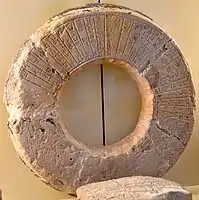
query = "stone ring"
{"x": 99, "y": 33}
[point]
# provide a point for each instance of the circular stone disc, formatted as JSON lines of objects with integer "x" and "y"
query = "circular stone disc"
{"x": 96, "y": 33}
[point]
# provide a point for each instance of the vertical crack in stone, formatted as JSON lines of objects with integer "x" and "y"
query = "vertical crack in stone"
{"x": 168, "y": 133}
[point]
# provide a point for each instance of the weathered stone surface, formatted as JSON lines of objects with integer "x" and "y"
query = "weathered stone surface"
{"x": 133, "y": 188}
{"x": 64, "y": 44}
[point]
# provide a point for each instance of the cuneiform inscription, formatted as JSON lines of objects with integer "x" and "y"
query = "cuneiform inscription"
{"x": 140, "y": 40}
{"x": 80, "y": 25}
{"x": 165, "y": 141}
{"x": 183, "y": 83}
{"x": 55, "y": 58}
{"x": 90, "y": 26}
{"x": 184, "y": 101}
{"x": 36, "y": 80}
{"x": 100, "y": 34}
{"x": 69, "y": 44}
{"x": 74, "y": 35}
{"x": 67, "y": 58}
{"x": 178, "y": 128}
{"x": 132, "y": 37}
{"x": 153, "y": 47}
{"x": 161, "y": 114}
{"x": 125, "y": 31}
{"x": 110, "y": 35}
{"x": 169, "y": 54}
{"x": 180, "y": 93}
{"x": 176, "y": 109}
{"x": 173, "y": 72}
{"x": 37, "y": 70}
{"x": 113, "y": 32}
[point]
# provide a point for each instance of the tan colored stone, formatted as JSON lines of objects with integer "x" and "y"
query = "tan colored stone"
{"x": 96, "y": 33}
{"x": 133, "y": 188}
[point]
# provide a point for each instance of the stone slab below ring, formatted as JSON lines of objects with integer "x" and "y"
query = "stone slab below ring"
{"x": 133, "y": 188}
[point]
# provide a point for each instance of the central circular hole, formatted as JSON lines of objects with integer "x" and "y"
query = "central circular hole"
{"x": 81, "y": 103}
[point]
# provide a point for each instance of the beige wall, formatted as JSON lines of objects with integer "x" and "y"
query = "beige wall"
{"x": 20, "y": 18}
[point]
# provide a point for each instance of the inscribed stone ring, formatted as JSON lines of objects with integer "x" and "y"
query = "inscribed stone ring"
{"x": 96, "y": 33}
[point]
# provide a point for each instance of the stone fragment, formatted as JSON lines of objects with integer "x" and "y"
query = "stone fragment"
{"x": 133, "y": 188}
